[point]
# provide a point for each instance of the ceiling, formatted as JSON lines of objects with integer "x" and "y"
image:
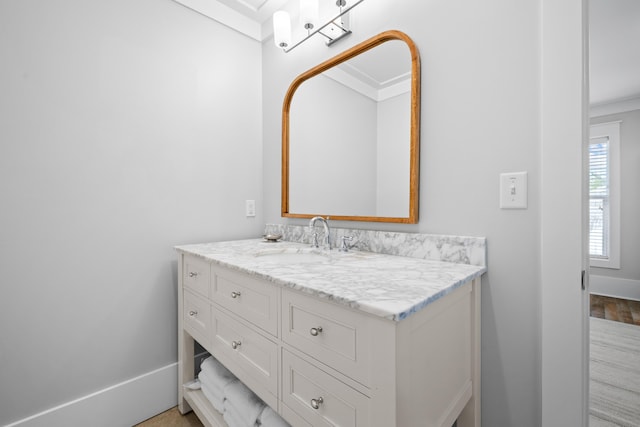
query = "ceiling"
{"x": 614, "y": 27}
{"x": 258, "y": 10}
{"x": 614, "y": 38}
{"x": 250, "y": 17}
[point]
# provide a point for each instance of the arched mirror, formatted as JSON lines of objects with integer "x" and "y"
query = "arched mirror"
{"x": 350, "y": 135}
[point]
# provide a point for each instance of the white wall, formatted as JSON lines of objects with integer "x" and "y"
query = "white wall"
{"x": 480, "y": 117}
{"x": 339, "y": 150}
{"x": 392, "y": 183}
{"x": 125, "y": 128}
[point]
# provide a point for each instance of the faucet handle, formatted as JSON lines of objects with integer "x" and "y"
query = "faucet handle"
{"x": 344, "y": 247}
{"x": 314, "y": 240}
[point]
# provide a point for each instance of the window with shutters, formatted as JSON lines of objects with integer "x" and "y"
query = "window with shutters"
{"x": 604, "y": 195}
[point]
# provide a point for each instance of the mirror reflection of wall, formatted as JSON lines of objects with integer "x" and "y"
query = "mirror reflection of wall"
{"x": 329, "y": 118}
{"x": 393, "y": 161}
{"x": 362, "y": 110}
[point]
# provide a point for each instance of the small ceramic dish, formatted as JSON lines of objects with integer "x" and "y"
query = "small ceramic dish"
{"x": 272, "y": 237}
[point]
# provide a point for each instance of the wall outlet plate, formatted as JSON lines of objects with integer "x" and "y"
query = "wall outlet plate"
{"x": 250, "y": 207}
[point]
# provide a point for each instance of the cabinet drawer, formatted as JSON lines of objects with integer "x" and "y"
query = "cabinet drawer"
{"x": 236, "y": 345}
{"x": 320, "y": 398}
{"x": 251, "y": 299}
{"x": 196, "y": 274}
{"x": 197, "y": 317}
{"x": 336, "y": 336}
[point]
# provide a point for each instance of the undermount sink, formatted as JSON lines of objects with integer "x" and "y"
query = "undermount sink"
{"x": 294, "y": 256}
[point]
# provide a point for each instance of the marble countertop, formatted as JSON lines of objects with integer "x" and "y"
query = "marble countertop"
{"x": 388, "y": 286}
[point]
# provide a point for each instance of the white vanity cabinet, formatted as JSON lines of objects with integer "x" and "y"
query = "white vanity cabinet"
{"x": 322, "y": 363}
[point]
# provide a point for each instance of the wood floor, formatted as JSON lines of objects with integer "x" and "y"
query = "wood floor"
{"x": 172, "y": 418}
{"x": 619, "y": 310}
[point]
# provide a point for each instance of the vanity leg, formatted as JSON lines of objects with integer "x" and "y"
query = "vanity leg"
{"x": 185, "y": 349}
{"x": 470, "y": 416}
{"x": 185, "y": 368}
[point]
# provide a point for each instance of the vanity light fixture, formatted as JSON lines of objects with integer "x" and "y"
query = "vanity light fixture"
{"x": 333, "y": 30}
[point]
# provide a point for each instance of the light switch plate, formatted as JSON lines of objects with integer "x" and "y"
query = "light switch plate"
{"x": 513, "y": 190}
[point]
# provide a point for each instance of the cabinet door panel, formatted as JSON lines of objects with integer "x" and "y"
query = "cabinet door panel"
{"x": 196, "y": 275}
{"x": 196, "y": 315}
{"x": 336, "y": 336}
{"x": 320, "y": 398}
{"x": 239, "y": 346}
{"x": 253, "y": 300}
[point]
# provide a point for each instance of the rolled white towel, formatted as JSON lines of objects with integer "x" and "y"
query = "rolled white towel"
{"x": 214, "y": 374}
{"x": 216, "y": 397}
{"x": 242, "y": 401}
{"x": 233, "y": 419}
{"x": 211, "y": 364}
{"x": 216, "y": 384}
{"x": 270, "y": 418}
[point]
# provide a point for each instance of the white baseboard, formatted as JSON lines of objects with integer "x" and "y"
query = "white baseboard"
{"x": 613, "y": 287}
{"x": 124, "y": 404}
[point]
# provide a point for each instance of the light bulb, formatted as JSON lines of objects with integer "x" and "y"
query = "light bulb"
{"x": 308, "y": 13}
{"x": 282, "y": 29}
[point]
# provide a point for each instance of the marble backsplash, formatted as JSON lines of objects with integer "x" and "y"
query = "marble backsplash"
{"x": 457, "y": 249}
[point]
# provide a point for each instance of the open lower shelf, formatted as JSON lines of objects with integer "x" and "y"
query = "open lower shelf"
{"x": 205, "y": 411}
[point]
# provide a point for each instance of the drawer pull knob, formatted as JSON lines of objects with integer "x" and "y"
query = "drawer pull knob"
{"x": 193, "y": 274}
{"x": 235, "y": 344}
{"x": 193, "y": 313}
{"x": 315, "y": 331}
{"x": 235, "y": 294}
{"x": 315, "y": 403}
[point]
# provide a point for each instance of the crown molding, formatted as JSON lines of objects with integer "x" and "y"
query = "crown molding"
{"x": 226, "y": 16}
{"x": 614, "y": 107}
{"x": 377, "y": 94}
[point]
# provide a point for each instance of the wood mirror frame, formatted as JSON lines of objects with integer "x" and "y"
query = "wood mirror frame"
{"x": 412, "y": 217}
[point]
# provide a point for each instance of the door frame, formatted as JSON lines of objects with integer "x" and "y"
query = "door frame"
{"x": 564, "y": 120}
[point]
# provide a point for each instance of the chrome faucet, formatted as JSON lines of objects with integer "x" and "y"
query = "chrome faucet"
{"x": 325, "y": 223}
